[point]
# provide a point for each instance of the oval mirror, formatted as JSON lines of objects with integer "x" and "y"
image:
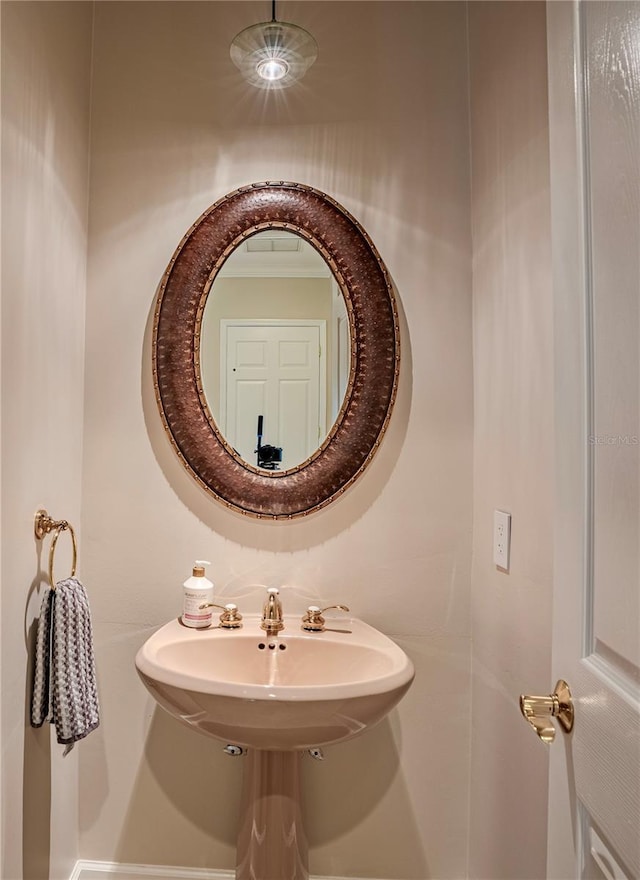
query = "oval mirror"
{"x": 276, "y": 350}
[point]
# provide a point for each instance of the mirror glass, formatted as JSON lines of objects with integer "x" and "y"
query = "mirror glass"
{"x": 275, "y": 349}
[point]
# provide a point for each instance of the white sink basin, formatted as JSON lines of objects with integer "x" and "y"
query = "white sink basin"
{"x": 295, "y": 690}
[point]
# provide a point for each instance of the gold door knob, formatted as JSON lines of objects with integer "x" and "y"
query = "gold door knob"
{"x": 540, "y": 710}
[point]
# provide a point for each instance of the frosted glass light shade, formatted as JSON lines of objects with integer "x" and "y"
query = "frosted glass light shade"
{"x": 273, "y": 54}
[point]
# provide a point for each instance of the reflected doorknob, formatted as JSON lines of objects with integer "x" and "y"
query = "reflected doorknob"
{"x": 540, "y": 710}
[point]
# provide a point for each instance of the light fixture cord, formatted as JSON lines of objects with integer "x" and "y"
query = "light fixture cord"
{"x": 273, "y": 10}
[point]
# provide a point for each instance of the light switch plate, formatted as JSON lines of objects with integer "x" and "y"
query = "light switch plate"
{"x": 501, "y": 539}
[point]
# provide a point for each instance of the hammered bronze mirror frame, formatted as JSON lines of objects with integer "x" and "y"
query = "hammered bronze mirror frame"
{"x": 375, "y": 350}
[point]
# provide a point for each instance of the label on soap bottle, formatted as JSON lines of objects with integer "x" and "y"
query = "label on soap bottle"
{"x": 192, "y": 612}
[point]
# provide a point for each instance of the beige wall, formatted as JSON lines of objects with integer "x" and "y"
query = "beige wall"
{"x": 386, "y": 134}
{"x": 513, "y": 400}
{"x": 45, "y": 127}
{"x": 173, "y": 131}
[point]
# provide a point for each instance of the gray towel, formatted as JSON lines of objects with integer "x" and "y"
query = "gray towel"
{"x": 64, "y": 682}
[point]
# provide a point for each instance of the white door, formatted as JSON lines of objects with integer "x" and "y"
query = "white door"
{"x": 594, "y": 83}
{"x": 274, "y": 369}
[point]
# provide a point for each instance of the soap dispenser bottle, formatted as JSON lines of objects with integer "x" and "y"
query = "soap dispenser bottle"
{"x": 197, "y": 591}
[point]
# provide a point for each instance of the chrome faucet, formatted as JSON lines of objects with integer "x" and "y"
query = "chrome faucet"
{"x": 272, "y": 621}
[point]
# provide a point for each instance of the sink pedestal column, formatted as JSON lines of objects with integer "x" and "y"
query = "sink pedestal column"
{"x": 271, "y": 840}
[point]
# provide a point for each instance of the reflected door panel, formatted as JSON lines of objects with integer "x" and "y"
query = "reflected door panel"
{"x": 274, "y": 370}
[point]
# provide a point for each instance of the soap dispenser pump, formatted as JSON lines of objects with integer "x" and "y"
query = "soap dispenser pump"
{"x": 197, "y": 594}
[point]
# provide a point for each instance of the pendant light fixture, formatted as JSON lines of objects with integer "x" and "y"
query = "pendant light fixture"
{"x": 273, "y": 54}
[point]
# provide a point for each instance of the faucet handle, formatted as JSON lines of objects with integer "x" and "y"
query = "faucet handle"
{"x": 230, "y": 617}
{"x": 313, "y": 621}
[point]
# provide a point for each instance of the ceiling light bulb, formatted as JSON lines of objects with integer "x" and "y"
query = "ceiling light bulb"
{"x": 272, "y": 69}
{"x": 273, "y": 54}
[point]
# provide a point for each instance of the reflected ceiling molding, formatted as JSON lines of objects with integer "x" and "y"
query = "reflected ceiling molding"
{"x": 275, "y": 254}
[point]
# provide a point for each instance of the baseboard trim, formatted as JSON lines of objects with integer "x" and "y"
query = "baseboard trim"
{"x": 88, "y": 870}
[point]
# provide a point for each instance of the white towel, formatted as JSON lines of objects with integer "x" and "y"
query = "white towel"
{"x": 64, "y": 682}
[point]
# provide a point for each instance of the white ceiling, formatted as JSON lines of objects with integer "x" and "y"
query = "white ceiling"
{"x": 270, "y": 254}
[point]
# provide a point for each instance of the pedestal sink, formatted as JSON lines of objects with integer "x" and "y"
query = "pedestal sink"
{"x": 277, "y": 696}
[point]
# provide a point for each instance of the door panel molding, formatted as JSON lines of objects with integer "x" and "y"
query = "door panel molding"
{"x": 595, "y": 779}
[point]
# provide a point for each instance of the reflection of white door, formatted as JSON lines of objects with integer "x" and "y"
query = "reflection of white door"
{"x": 594, "y": 790}
{"x": 275, "y": 369}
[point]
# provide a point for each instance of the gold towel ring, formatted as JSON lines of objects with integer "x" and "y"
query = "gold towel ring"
{"x": 45, "y": 524}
